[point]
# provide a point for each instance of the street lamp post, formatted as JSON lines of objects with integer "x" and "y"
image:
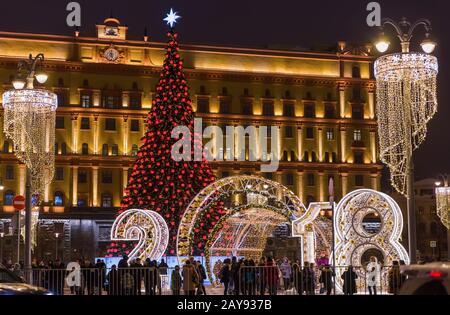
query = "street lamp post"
{"x": 29, "y": 120}
{"x": 2, "y": 235}
{"x": 406, "y": 102}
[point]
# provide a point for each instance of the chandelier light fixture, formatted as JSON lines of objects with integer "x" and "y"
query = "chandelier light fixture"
{"x": 443, "y": 201}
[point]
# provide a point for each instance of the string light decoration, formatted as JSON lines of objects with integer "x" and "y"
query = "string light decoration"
{"x": 406, "y": 101}
{"x": 30, "y": 123}
{"x": 353, "y": 241}
{"x": 443, "y": 205}
{"x": 146, "y": 227}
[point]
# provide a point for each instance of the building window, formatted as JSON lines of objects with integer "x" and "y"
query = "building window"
{"x": 310, "y": 111}
{"x": 62, "y": 98}
{"x": 134, "y": 125}
{"x": 85, "y": 123}
{"x": 268, "y": 176}
{"x": 267, "y": 93}
{"x": 8, "y": 198}
{"x": 111, "y": 101}
{"x": 289, "y": 132}
{"x": 330, "y": 134}
{"x": 356, "y": 72}
{"x": 202, "y": 90}
{"x": 313, "y": 157}
{"x": 327, "y": 157}
{"x": 110, "y": 124}
{"x": 6, "y": 146}
{"x": 309, "y": 133}
{"x": 134, "y": 150}
{"x": 433, "y": 229}
{"x": 59, "y": 173}
{"x": 107, "y": 177}
{"x": 224, "y": 91}
{"x": 329, "y": 111}
{"x": 358, "y": 158}
{"x": 63, "y": 148}
{"x": 310, "y": 179}
{"x": 82, "y": 177}
{"x": 225, "y": 174}
{"x": 357, "y": 111}
{"x": 135, "y": 101}
{"x": 85, "y": 149}
{"x": 268, "y": 109}
{"x": 357, "y": 136}
{"x": 225, "y": 106}
{"x": 306, "y": 156}
{"x": 56, "y": 148}
{"x": 202, "y": 105}
{"x": 114, "y": 150}
{"x": 359, "y": 180}
{"x": 334, "y": 157}
{"x": 59, "y": 199}
{"x": 59, "y": 122}
{"x": 9, "y": 173}
{"x": 289, "y": 179}
{"x": 81, "y": 201}
{"x": 86, "y": 100}
{"x": 288, "y": 110}
{"x": 247, "y": 107}
{"x": 105, "y": 149}
{"x": 106, "y": 201}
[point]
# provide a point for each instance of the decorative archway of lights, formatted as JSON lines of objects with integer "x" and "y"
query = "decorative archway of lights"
{"x": 259, "y": 206}
{"x": 353, "y": 240}
{"x": 146, "y": 227}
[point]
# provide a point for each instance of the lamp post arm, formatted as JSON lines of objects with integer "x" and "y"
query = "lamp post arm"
{"x": 426, "y": 24}
{"x": 394, "y": 25}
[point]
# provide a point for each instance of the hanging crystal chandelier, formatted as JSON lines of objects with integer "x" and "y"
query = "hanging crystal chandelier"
{"x": 406, "y": 100}
{"x": 29, "y": 121}
{"x": 443, "y": 200}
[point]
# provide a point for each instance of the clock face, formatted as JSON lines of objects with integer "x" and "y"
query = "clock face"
{"x": 111, "y": 31}
{"x": 111, "y": 54}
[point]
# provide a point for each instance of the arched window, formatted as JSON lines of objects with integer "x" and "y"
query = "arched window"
{"x": 56, "y": 148}
{"x": 285, "y": 156}
{"x": 115, "y": 150}
{"x": 85, "y": 149}
{"x": 6, "y": 146}
{"x": 106, "y": 201}
{"x": 105, "y": 149}
{"x": 334, "y": 157}
{"x": 58, "y": 199}
{"x": 63, "y": 148}
{"x": 292, "y": 156}
{"x": 327, "y": 157}
{"x": 306, "y": 156}
{"x": 313, "y": 157}
{"x": 8, "y": 198}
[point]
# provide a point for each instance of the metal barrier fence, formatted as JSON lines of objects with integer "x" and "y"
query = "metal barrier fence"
{"x": 248, "y": 280}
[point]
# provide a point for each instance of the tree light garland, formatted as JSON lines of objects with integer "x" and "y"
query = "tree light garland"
{"x": 406, "y": 101}
{"x": 443, "y": 205}
{"x": 145, "y": 226}
{"x": 30, "y": 124}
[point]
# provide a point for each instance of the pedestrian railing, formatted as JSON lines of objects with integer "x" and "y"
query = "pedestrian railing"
{"x": 247, "y": 280}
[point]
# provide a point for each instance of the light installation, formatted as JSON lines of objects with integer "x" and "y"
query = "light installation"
{"x": 30, "y": 123}
{"x": 255, "y": 207}
{"x": 354, "y": 240}
{"x": 443, "y": 204}
{"x": 146, "y": 227}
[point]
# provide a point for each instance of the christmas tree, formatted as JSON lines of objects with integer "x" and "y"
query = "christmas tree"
{"x": 157, "y": 182}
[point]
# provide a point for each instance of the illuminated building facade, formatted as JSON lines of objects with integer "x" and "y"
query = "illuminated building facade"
{"x": 322, "y": 103}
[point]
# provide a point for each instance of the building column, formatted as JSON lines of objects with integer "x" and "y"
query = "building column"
{"x": 95, "y": 202}
{"x": 300, "y": 186}
{"x": 320, "y": 143}
{"x": 124, "y": 179}
{"x": 344, "y": 178}
{"x": 47, "y": 193}
{"x": 74, "y": 134}
{"x": 321, "y": 187}
{"x": 300, "y": 143}
{"x": 373, "y": 146}
{"x": 22, "y": 179}
{"x": 374, "y": 181}
{"x": 280, "y": 155}
{"x": 125, "y": 131}
{"x": 371, "y": 102}
{"x": 279, "y": 179}
{"x": 342, "y": 100}
{"x": 343, "y": 146}
{"x": 95, "y": 130}
{"x": 74, "y": 186}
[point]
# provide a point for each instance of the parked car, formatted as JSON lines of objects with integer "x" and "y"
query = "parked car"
{"x": 428, "y": 279}
{"x": 10, "y": 284}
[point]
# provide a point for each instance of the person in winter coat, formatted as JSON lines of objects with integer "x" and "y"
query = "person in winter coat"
{"x": 225, "y": 275}
{"x": 373, "y": 274}
{"x": 261, "y": 276}
{"x": 190, "y": 278}
{"x": 297, "y": 277}
{"x": 272, "y": 274}
{"x": 113, "y": 281}
{"x": 326, "y": 278}
{"x": 394, "y": 278}
{"x": 349, "y": 277}
{"x": 202, "y": 277}
{"x": 176, "y": 281}
{"x": 138, "y": 275}
{"x": 250, "y": 277}
{"x": 150, "y": 277}
{"x": 286, "y": 272}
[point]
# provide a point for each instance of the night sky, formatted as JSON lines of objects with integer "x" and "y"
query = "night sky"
{"x": 259, "y": 23}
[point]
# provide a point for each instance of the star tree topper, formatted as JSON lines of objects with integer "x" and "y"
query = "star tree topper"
{"x": 171, "y": 18}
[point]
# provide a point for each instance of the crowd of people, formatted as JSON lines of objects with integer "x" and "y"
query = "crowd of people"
{"x": 237, "y": 276}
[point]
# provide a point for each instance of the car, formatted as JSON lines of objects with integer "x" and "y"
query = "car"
{"x": 428, "y": 279}
{"x": 11, "y": 284}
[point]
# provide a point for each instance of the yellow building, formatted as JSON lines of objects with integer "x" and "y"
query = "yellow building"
{"x": 323, "y": 103}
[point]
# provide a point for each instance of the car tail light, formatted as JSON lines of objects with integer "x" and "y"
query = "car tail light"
{"x": 435, "y": 274}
